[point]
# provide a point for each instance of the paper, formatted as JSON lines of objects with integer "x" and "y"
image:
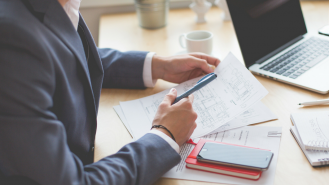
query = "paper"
{"x": 121, "y": 115}
{"x": 315, "y": 157}
{"x": 313, "y": 129}
{"x": 256, "y": 114}
{"x": 255, "y": 136}
{"x": 233, "y": 92}
{"x": 252, "y": 136}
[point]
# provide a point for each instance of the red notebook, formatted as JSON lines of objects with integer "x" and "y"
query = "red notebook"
{"x": 193, "y": 163}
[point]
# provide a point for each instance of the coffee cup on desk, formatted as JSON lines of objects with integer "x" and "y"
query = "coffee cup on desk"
{"x": 197, "y": 41}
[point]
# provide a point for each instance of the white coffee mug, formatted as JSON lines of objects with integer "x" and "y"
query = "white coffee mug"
{"x": 197, "y": 41}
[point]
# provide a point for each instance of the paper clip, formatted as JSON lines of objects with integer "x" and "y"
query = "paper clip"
{"x": 274, "y": 134}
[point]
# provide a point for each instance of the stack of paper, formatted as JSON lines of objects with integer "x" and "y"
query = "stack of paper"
{"x": 235, "y": 92}
{"x": 257, "y": 114}
{"x": 311, "y": 132}
{"x": 315, "y": 157}
{"x": 230, "y": 101}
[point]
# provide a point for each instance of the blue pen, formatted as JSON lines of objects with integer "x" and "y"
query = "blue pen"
{"x": 201, "y": 83}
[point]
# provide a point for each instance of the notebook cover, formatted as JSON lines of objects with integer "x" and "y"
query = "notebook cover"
{"x": 191, "y": 159}
{"x": 310, "y": 128}
{"x": 319, "y": 162}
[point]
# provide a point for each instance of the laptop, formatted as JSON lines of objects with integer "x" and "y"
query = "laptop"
{"x": 275, "y": 44}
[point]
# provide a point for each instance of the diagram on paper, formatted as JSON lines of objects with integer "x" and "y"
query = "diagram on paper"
{"x": 242, "y": 120}
{"x": 151, "y": 104}
{"x": 256, "y": 114}
{"x": 236, "y": 83}
{"x": 249, "y": 114}
{"x": 233, "y": 92}
{"x": 207, "y": 104}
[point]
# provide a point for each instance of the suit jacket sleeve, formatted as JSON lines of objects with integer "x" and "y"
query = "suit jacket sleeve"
{"x": 122, "y": 69}
{"x": 33, "y": 141}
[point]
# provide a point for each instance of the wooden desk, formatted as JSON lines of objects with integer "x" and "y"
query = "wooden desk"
{"x": 121, "y": 31}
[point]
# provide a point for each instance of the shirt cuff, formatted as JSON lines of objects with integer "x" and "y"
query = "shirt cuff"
{"x": 147, "y": 71}
{"x": 170, "y": 141}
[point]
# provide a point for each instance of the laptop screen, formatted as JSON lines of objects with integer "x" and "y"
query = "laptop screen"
{"x": 263, "y": 26}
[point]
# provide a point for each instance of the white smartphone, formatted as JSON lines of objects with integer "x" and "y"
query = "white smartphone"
{"x": 237, "y": 156}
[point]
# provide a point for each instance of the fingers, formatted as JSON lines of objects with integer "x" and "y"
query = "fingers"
{"x": 186, "y": 102}
{"x": 170, "y": 97}
{"x": 202, "y": 64}
{"x": 196, "y": 73}
{"x": 191, "y": 98}
{"x": 191, "y": 131}
{"x": 210, "y": 60}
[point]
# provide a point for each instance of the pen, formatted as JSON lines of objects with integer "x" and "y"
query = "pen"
{"x": 317, "y": 102}
{"x": 201, "y": 83}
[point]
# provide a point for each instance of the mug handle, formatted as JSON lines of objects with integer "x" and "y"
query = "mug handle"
{"x": 181, "y": 41}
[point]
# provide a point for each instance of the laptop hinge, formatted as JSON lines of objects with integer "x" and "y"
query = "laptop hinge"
{"x": 263, "y": 59}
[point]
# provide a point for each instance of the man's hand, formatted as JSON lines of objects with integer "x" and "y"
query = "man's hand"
{"x": 179, "y": 118}
{"x": 178, "y": 69}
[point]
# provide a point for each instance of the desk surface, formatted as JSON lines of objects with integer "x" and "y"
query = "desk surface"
{"x": 121, "y": 31}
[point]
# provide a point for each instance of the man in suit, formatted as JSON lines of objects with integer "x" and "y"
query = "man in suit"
{"x": 51, "y": 75}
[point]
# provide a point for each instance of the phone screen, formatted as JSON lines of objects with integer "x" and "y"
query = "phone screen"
{"x": 235, "y": 156}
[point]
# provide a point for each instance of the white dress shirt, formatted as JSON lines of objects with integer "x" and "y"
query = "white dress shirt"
{"x": 72, "y": 10}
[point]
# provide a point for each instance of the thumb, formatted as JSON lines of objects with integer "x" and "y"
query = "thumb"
{"x": 191, "y": 98}
{"x": 170, "y": 97}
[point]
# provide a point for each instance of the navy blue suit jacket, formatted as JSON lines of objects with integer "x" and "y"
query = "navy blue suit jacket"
{"x": 50, "y": 83}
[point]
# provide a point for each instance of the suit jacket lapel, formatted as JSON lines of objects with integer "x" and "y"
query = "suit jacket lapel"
{"x": 95, "y": 64}
{"x": 91, "y": 42}
{"x": 59, "y": 23}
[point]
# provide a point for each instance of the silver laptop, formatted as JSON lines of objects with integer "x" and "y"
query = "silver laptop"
{"x": 275, "y": 44}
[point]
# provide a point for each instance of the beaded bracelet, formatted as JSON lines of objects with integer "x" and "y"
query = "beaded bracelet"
{"x": 161, "y": 126}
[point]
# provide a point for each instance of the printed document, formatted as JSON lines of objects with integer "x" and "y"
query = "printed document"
{"x": 121, "y": 115}
{"x": 257, "y": 114}
{"x": 233, "y": 92}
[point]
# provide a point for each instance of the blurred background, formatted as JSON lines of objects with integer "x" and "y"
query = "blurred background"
{"x": 92, "y": 10}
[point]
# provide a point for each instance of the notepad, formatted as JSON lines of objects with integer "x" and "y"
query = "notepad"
{"x": 315, "y": 157}
{"x": 312, "y": 129}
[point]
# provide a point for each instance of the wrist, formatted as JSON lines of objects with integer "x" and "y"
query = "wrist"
{"x": 164, "y": 130}
{"x": 158, "y": 66}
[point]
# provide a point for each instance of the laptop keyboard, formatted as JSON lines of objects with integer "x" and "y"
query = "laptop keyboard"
{"x": 298, "y": 60}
